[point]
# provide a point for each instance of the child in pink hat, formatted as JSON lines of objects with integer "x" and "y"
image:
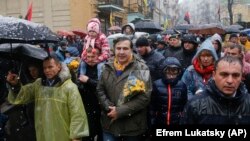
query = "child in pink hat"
{"x": 95, "y": 39}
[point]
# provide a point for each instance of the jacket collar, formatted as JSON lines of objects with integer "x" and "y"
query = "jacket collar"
{"x": 132, "y": 65}
{"x": 216, "y": 93}
{"x": 63, "y": 75}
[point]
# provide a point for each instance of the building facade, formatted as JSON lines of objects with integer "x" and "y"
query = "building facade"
{"x": 56, "y": 14}
{"x": 74, "y": 14}
{"x": 242, "y": 14}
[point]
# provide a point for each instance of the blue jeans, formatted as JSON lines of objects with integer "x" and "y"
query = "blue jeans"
{"x": 83, "y": 67}
{"x": 110, "y": 137}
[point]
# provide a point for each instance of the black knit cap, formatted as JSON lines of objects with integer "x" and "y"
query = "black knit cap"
{"x": 162, "y": 42}
{"x": 63, "y": 42}
{"x": 177, "y": 36}
{"x": 190, "y": 38}
{"x": 142, "y": 41}
{"x": 243, "y": 34}
{"x": 233, "y": 35}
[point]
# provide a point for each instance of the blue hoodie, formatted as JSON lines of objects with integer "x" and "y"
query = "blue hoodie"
{"x": 206, "y": 45}
{"x": 191, "y": 78}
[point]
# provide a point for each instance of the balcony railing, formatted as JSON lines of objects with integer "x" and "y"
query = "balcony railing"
{"x": 118, "y": 3}
{"x": 110, "y": 5}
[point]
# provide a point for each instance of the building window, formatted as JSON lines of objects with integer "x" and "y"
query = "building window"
{"x": 118, "y": 21}
{"x": 239, "y": 17}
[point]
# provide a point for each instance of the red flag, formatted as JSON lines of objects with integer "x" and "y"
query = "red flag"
{"x": 29, "y": 13}
{"x": 187, "y": 17}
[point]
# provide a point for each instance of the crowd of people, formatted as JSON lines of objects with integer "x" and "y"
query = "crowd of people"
{"x": 87, "y": 90}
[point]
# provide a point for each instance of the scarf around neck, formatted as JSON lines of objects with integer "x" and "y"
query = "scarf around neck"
{"x": 119, "y": 67}
{"x": 90, "y": 42}
{"x": 206, "y": 72}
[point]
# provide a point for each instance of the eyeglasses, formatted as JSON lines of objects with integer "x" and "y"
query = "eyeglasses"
{"x": 172, "y": 70}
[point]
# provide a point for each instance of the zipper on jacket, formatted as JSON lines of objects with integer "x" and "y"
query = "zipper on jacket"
{"x": 229, "y": 109}
{"x": 169, "y": 104}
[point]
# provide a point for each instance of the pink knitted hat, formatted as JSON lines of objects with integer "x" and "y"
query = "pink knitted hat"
{"x": 94, "y": 25}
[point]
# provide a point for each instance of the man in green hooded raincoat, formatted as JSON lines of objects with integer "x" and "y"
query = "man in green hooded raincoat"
{"x": 59, "y": 111}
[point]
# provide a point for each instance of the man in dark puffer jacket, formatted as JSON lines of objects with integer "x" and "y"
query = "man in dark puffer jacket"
{"x": 224, "y": 101}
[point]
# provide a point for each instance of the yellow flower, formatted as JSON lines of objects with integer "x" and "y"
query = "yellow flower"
{"x": 139, "y": 87}
{"x": 133, "y": 87}
{"x": 74, "y": 64}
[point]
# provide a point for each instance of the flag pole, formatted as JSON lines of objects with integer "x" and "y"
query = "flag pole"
{"x": 111, "y": 18}
{"x": 219, "y": 12}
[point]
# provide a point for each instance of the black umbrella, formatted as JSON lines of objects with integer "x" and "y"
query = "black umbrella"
{"x": 169, "y": 32}
{"x": 22, "y": 51}
{"x": 183, "y": 27}
{"x": 22, "y": 54}
{"x": 148, "y": 26}
{"x": 14, "y": 30}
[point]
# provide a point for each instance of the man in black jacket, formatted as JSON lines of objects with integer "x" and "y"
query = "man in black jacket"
{"x": 150, "y": 56}
{"x": 225, "y": 100}
{"x": 87, "y": 88}
{"x": 190, "y": 45}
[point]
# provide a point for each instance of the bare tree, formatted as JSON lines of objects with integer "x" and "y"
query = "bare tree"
{"x": 204, "y": 12}
{"x": 172, "y": 11}
{"x": 207, "y": 13}
{"x": 230, "y": 10}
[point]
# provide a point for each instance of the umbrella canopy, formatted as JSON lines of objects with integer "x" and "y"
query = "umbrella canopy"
{"x": 236, "y": 26}
{"x": 169, "y": 32}
{"x": 14, "y": 30}
{"x": 183, "y": 27}
{"x": 230, "y": 30}
{"x": 208, "y": 29}
{"x": 112, "y": 37}
{"x": 63, "y": 32}
{"x": 233, "y": 28}
{"x": 21, "y": 51}
{"x": 115, "y": 28}
{"x": 148, "y": 26}
{"x": 20, "y": 56}
{"x": 80, "y": 33}
{"x": 247, "y": 30}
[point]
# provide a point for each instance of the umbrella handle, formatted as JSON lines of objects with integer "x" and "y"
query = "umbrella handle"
{"x": 11, "y": 50}
{"x": 20, "y": 70}
{"x": 14, "y": 70}
{"x": 47, "y": 49}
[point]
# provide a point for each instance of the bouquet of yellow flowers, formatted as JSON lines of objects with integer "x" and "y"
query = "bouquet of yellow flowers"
{"x": 132, "y": 88}
{"x": 73, "y": 65}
